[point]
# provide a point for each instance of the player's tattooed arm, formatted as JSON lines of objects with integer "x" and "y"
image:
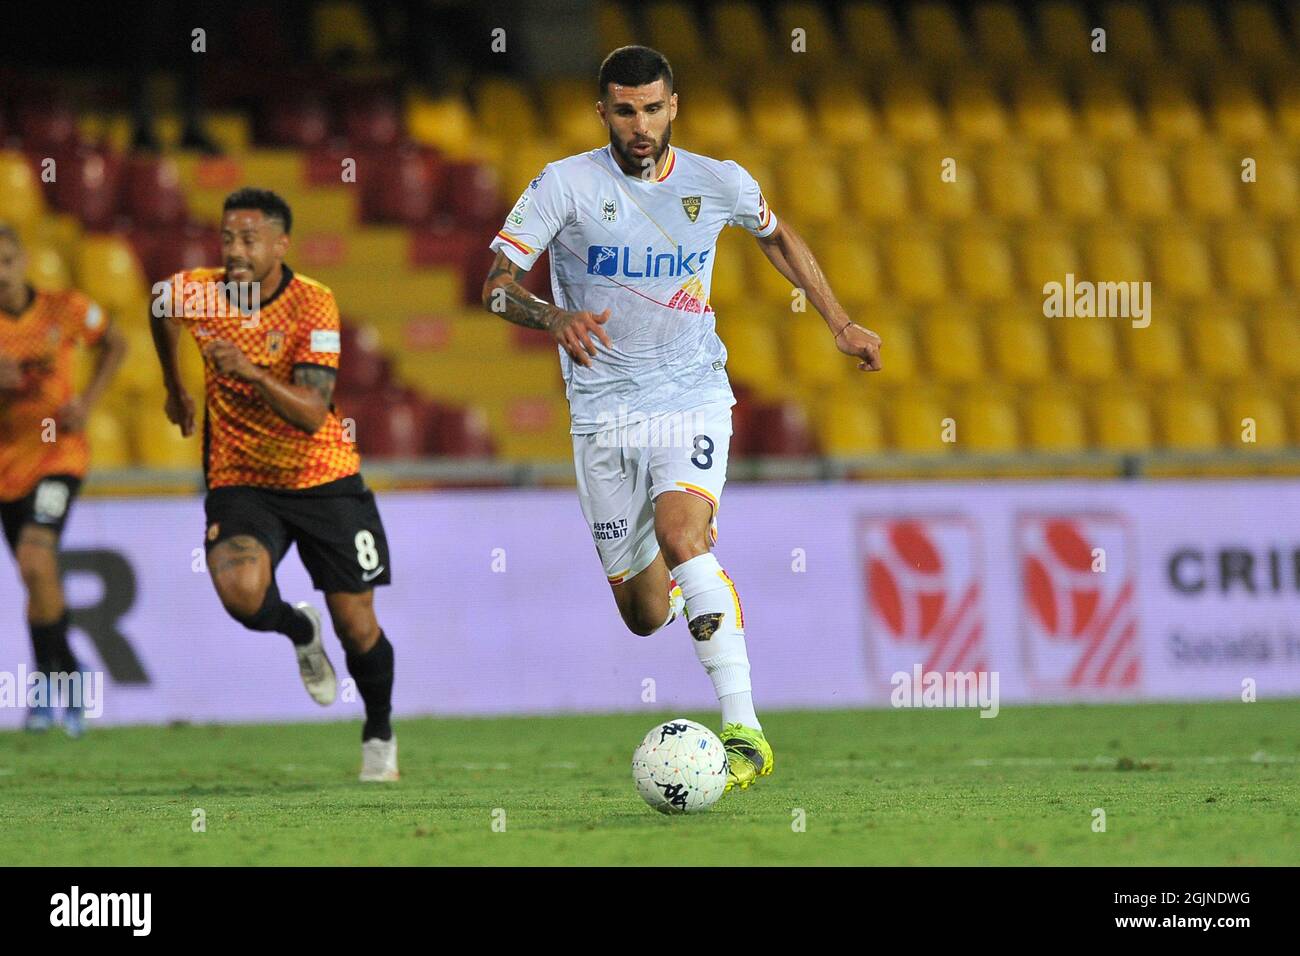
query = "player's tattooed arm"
{"x": 317, "y": 377}
{"x": 505, "y": 296}
{"x": 792, "y": 257}
{"x": 305, "y": 402}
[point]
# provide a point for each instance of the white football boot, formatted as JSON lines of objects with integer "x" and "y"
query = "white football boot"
{"x": 313, "y": 665}
{"x": 379, "y": 760}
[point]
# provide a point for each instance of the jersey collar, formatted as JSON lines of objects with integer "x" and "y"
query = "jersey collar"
{"x": 669, "y": 165}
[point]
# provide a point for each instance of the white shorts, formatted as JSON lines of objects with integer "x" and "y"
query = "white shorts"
{"x": 622, "y": 470}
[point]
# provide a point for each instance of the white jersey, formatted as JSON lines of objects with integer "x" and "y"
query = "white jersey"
{"x": 644, "y": 249}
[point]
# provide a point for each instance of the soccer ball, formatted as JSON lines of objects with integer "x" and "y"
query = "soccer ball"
{"x": 680, "y": 767}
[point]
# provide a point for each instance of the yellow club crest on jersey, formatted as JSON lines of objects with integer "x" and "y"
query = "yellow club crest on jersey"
{"x": 274, "y": 342}
{"x": 692, "y": 206}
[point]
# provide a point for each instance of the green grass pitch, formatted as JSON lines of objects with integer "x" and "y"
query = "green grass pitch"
{"x": 1190, "y": 784}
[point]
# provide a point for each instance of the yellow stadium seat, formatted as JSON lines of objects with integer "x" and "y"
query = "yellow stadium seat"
{"x": 813, "y": 358}
{"x": 1219, "y": 345}
{"x": 46, "y": 269}
{"x": 778, "y": 116}
{"x": 945, "y": 184}
{"x": 1053, "y": 421}
{"x": 21, "y": 202}
{"x": 841, "y": 114}
{"x": 730, "y": 284}
{"x": 1043, "y": 114}
{"x": 910, "y": 113}
{"x": 523, "y": 165}
{"x": 916, "y": 419}
{"x": 1275, "y": 193}
{"x": 1107, "y": 113}
{"x": 820, "y": 51}
{"x": 1249, "y": 263}
{"x": 1250, "y": 408}
{"x": 502, "y": 107}
{"x": 1208, "y": 180}
{"x": 108, "y": 271}
{"x": 1187, "y": 420}
{"x": 1063, "y": 32}
{"x": 1130, "y": 34}
{"x": 709, "y": 119}
{"x": 1291, "y": 256}
{"x": 739, "y": 27}
{"x": 1076, "y": 184}
{"x": 978, "y": 115}
{"x": 571, "y": 114}
{"x": 848, "y": 424}
{"x": 1121, "y": 421}
{"x": 1047, "y": 254}
{"x": 809, "y": 184}
{"x": 1293, "y": 409}
{"x": 768, "y": 284}
{"x": 1277, "y": 337}
{"x": 1115, "y": 255}
{"x": 898, "y": 351}
{"x": 1182, "y": 263}
{"x": 936, "y": 32}
{"x": 1000, "y": 33}
{"x": 878, "y": 185}
{"x": 159, "y": 444}
{"x": 1191, "y": 31}
{"x": 983, "y": 265}
{"x": 753, "y": 352}
{"x": 1019, "y": 345}
{"x": 851, "y": 264}
{"x": 1255, "y": 32}
{"x": 1172, "y": 113}
{"x": 342, "y": 25}
{"x": 674, "y": 31}
{"x": 1011, "y": 185}
{"x": 871, "y": 33}
{"x": 1238, "y": 113}
{"x": 917, "y": 266}
{"x": 613, "y": 27}
{"x": 110, "y": 445}
{"x": 1143, "y": 188}
{"x": 950, "y": 339}
{"x": 1087, "y": 348}
{"x": 1286, "y": 110}
{"x": 987, "y": 422}
{"x": 1155, "y": 353}
{"x": 530, "y": 428}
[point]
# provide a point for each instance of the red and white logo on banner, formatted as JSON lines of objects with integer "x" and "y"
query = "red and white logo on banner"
{"x": 1078, "y": 596}
{"x": 924, "y": 598}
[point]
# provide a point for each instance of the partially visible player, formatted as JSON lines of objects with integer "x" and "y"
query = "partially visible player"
{"x": 278, "y": 466}
{"x": 43, "y": 449}
{"x": 631, "y": 228}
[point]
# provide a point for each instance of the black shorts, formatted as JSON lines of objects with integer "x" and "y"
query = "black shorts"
{"x": 46, "y": 505}
{"x": 336, "y": 526}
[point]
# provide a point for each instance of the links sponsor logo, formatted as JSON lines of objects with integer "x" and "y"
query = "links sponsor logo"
{"x": 622, "y": 261}
{"x": 609, "y": 530}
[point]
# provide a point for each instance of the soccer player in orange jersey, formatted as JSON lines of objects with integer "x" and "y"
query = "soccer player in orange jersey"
{"x": 279, "y": 468}
{"x": 43, "y": 449}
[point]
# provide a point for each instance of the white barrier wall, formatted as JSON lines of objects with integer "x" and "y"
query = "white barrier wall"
{"x": 1078, "y": 590}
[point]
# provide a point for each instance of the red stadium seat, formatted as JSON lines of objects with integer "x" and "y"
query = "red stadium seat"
{"x": 47, "y": 127}
{"x": 405, "y": 188}
{"x": 364, "y": 368}
{"x": 164, "y": 251}
{"x": 781, "y": 429}
{"x": 473, "y": 194}
{"x": 460, "y": 433}
{"x": 372, "y": 119}
{"x": 154, "y": 195}
{"x": 89, "y": 186}
{"x": 302, "y": 120}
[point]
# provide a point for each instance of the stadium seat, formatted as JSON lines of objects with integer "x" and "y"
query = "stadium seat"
{"x": 1143, "y": 188}
{"x": 109, "y": 272}
{"x": 1290, "y": 249}
{"x": 1106, "y": 113}
{"x": 1076, "y": 184}
{"x": 809, "y": 183}
{"x": 1062, "y": 31}
{"x": 987, "y": 422}
{"x": 157, "y": 443}
{"x": 937, "y": 34}
{"x": 778, "y": 116}
{"x": 916, "y": 264}
{"x": 47, "y": 127}
{"x": 298, "y": 119}
{"x": 503, "y": 107}
{"x": 898, "y": 352}
{"x": 1173, "y": 115}
{"x": 1192, "y": 33}
{"x": 460, "y": 433}
{"x": 1114, "y": 255}
{"x": 878, "y": 185}
{"x": 1012, "y": 189}
{"x": 712, "y": 122}
{"x": 814, "y": 359}
{"x": 1248, "y": 407}
{"x": 738, "y": 31}
{"x": 447, "y": 124}
{"x": 21, "y": 202}
{"x": 1042, "y": 112}
{"x": 841, "y": 114}
{"x": 110, "y": 444}
{"x": 1000, "y": 34}
{"x": 1219, "y": 345}
{"x": 983, "y": 265}
{"x": 1019, "y": 345}
{"x": 614, "y": 27}
{"x": 473, "y": 194}
{"x": 916, "y": 421}
{"x": 1047, "y": 254}
{"x": 154, "y": 196}
{"x": 1121, "y": 421}
{"x": 944, "y": 196}
{"x": 910, "y": 114}
{"x": 781, "y": 429}
{"x": 371, "y": 119}
{"x": 341, "y": 30}
{"x": 1208, "y": 182}
{"x": 950, "y": 340}
{"x": 731, "y": 286}
{"x": 1249, "y": 262}
{"x": 1277, "y": 338}
{"x": 1275, "y": 193}
{"x": 1087, "y": 348}
{"x": 1054, "y": 421}
{"x": 1155, "y": 353}
{"x": 409, "y": 189}
{"x": 90, "y": 187}
{"x": 1182, "y": 263}
{"x": 1255, "y": 33}
{"x": 753, "y": 353}
{"x": 47, "y": 269}
{"x": 1131, "y": 34}
{"x": 1238, "y": 114}
{"x": 851, "y": 264}
{"x": 1187, "y": 420}
{"x": 821, "y": 54}
{"x": 871, "y": 33}
{"x": 673, "y": 29}
{"x": 849, "y": 423}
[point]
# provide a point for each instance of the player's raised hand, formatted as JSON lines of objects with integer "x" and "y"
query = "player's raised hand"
{"x": 862, "y": 343}
{"x": 180, "y": 410}
{"x": 228, "y": 359}
{"x": 574, "y": 331}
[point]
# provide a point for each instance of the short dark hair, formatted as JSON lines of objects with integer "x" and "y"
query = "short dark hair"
{"x": 9, "y": 232}
{"x": 634, "y": 66}
{"x": 269, "y": 203}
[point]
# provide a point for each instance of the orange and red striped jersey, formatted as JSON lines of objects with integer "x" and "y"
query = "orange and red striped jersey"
{"x": 245, "y": 441}
{"x": 43, "y": 340}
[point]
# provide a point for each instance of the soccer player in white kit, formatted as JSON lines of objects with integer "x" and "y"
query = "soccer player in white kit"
{"x": 631, "y": 229}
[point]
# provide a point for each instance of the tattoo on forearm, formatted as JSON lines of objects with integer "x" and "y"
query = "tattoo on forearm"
{"x": 513, "y": 302}
{"x": 320, "y": 380}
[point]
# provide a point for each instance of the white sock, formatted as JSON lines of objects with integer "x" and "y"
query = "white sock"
{"x": 717, "y": 624}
